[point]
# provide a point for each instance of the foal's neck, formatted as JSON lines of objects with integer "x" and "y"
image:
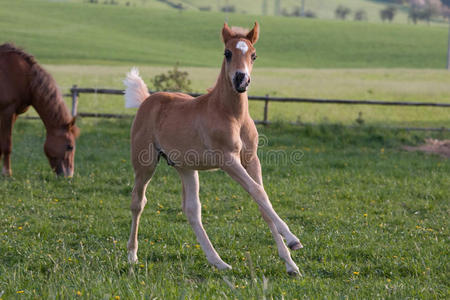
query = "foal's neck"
{"x": 227, "y": 100}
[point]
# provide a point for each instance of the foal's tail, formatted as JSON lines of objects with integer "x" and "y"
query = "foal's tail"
{"x": 136, "y": 90}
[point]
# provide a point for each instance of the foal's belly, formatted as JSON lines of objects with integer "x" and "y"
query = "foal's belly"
{"x": 196, "y": 159}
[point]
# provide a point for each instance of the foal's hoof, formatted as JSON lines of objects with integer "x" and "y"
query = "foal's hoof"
{"x": 294, "y": 273}
{"x": 132, "y": 257}
{"x": 295, "y": 245}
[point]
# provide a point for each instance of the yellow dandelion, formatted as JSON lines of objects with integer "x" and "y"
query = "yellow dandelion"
{"x": 356, "y": 273}
{"x": 20, "y": 292}
{"x": 78, "y": 293}
{"x": 365, "y": 215}
{"x": 388, "y": 280}
{"x": 158, "y": 212}
{"x": 141, "y": 265}
{"x": 142, "y": 282}
{"x": 56, "y": 200}
{"x": 20, "y": 227}
{"x": 117, "y": 297}
{"x": 197, "y": 246}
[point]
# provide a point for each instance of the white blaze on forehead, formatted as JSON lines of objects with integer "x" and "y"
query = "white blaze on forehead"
{"x": 242, "y": 46}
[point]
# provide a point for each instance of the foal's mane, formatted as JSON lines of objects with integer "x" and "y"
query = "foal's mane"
{"x": 43, "y": 87}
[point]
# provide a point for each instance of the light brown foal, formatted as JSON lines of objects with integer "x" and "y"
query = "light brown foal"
{"x": 208, "y": 132}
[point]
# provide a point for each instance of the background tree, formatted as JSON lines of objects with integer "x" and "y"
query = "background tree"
{"x": 424, "y": 9}
{"x": 360, "y": 15}
{"x": 342, "y": 12}
{"x": 388, "y": 13}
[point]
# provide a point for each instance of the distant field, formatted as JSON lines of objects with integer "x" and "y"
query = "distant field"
{"x": 390, "y": 84}
{"x": 323, "y": 9}
{"x": 78, "y": 33}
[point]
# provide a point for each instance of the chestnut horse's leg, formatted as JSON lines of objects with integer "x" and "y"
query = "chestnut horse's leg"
{"x": 234, "y": 168}
{"x": 192, "y": 209}
{"x": 142, "y": 177}
{"x": 6, "y": 125}
{"x": 254, "y": 170}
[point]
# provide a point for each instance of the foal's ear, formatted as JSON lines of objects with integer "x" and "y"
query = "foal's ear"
{"x": 227, "y": 33}
{"x": 253, "y": 35}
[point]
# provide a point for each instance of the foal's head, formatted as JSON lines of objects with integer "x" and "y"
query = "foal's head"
{"x": 239, "y": 56}
{"x": 60, "y": 148}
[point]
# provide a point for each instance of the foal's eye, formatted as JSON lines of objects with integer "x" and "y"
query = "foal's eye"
{"x": 69, "y": 147}
{"x": 254, "y": 57}
{"x": 227, "y": 54}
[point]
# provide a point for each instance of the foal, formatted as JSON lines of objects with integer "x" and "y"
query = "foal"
{"x": 208, "y": 132}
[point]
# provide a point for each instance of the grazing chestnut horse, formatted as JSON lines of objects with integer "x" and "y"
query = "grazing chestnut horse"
{"x": 212, "y": 131}
{"x": 23, "y": 82}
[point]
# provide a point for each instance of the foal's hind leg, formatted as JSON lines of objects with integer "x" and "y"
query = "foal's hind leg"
{"x": 254, "y": 170}
{"x": 6, "y": 125}
{"x": 192, "y": 209}
{"x": 143, "y": 174}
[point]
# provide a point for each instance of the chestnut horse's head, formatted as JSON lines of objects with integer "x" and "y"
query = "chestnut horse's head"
{"x": 239, "y": 55}
{"x": 60, "y": 148}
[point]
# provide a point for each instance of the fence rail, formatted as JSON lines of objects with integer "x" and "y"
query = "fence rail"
{"x": 75, "y": 91}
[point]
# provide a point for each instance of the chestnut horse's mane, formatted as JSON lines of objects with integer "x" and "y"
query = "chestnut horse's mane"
{"x": 43, "y": 87}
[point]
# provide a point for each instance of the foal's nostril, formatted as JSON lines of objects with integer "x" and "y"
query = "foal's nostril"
{"x": 239, "y": 77}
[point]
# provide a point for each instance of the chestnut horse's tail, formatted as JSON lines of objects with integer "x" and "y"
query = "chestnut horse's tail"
{"x": 136, "y": 90}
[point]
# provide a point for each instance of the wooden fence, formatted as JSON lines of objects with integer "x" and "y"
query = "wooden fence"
{"x": 76, "y": 91}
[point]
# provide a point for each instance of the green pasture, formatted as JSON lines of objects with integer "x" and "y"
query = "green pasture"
{"x": 78, "y": 33}
{"x": 373, "y": 219}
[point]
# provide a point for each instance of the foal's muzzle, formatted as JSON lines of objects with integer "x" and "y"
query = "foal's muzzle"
{"x": 241, "y": 82}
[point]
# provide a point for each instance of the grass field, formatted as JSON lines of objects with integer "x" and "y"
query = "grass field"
{"x": 373, "y": 219}
{"x": 77, "y": 33}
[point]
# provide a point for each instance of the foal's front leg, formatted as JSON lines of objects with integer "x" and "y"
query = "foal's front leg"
{"x": 234, "y": 168}
{"x": 192, "y": 209}
{"x": 254, "y": 170}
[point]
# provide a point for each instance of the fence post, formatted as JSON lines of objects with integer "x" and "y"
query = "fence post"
{"x": 74, "y": 93}
{"x": 266, "y": 109}
{"x": 448, "y": 46}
